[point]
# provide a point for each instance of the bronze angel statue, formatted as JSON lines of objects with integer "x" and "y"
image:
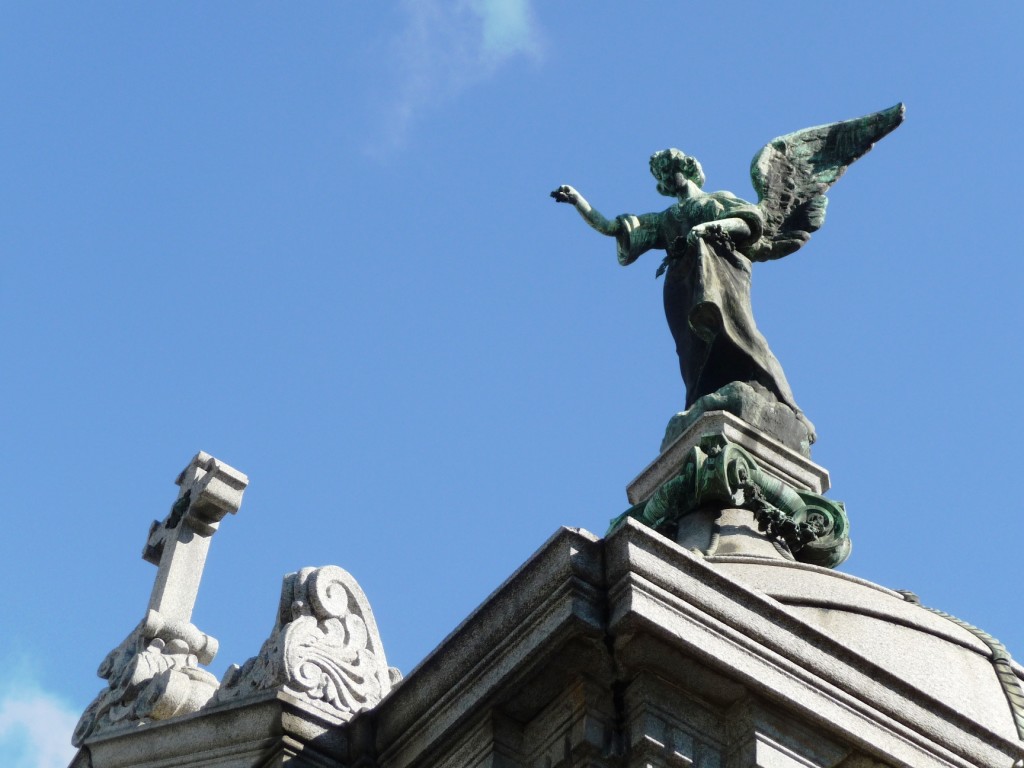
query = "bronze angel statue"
{"x": 711, "y": 239}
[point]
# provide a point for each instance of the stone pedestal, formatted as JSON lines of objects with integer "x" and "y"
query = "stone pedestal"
{"x": 728, "y": 531}
{"x": 724, "y": 486}
{"x": 772, "y": 456}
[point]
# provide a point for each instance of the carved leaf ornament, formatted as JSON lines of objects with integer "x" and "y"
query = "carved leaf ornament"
{"x": 324, "y": 648}
{"x": 720, "y": 474}
{"x": 331, "y": 659}
{"x": 152, "y": 675}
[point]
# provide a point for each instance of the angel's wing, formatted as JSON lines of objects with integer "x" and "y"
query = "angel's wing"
{"x": 793, "y": 172}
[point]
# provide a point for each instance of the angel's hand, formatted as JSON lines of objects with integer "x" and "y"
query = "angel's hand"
{"x": 710, "y": 232}
{"x": 566, "y": 194}
{"x": 701, "y": 232}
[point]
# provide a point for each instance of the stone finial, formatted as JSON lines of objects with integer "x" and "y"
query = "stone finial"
{"x": 324, "y": 648}
{"x": 154, "y": 673}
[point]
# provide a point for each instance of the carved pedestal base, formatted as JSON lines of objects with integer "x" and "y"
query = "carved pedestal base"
{"x": 772, "y": 457}
{"x": 723, "y": 486}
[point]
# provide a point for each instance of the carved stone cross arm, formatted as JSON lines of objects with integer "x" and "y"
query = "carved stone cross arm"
{"x": 209, "y": 490}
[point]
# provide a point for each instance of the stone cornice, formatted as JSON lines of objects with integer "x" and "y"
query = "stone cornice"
{"x": 576, "y": 636}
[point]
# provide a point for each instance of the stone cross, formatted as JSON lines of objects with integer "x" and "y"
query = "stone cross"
{"x": 209, "y": 489}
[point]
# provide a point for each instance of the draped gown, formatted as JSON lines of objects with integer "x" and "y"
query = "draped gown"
{"x": 707, "y": 295}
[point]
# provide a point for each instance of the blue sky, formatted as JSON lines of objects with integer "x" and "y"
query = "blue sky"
{"x": 315, "y": 240}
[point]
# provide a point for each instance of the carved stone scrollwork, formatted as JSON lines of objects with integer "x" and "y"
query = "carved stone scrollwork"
{"x": 718, "y": 474}
{"x": 324, "y": 647}
{"x": 153, "y": 674}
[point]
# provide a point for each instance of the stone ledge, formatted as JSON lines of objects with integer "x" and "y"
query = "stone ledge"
{"x": 587, "y": 635}
{"x": 241, "y": 733}
{"x": 660, "y": 589}
{"x": 553, "y": 597}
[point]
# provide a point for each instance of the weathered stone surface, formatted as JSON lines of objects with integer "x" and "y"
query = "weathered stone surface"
{"x": 524, "y": 644}
{"x": 208, "y": 490}
{"x": 781, "y": 657}
{"x": 938, "y": 656}
{"x": 323, "y": 663}
{"x": 325, "y": 647}
{"x": 626, "y": 652}
{"x": 262, "y": 731}
{"x": 155, "y": 673}
{"x": 631, "y": 652}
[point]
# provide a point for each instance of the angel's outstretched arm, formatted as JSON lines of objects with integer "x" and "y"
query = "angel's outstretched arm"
{"x": 593, "y": 217}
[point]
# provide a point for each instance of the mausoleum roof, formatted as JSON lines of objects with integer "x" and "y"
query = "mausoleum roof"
{"x": 933, "y": 652}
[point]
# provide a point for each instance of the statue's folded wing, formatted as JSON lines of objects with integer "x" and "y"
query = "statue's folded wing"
{"x": 792, "y": 173}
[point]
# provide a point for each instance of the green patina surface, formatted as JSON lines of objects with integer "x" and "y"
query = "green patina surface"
{"x": 718, "y": 474}
{"x": 711, "y": 239}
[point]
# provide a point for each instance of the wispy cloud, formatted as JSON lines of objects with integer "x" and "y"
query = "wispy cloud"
{"x": 446, "y": 47}
{"x": 508, "y": 28}
{"x": 35, "y": 729}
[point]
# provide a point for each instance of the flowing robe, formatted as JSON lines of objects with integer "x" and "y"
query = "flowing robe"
{"x": 707, "y": 295}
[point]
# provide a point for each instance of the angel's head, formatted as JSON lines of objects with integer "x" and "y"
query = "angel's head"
{"x": 673, "y": 168}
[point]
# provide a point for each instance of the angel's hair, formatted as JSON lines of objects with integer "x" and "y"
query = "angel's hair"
{"x": 669, "y": 162}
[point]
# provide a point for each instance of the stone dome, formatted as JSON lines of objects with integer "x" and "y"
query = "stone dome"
{"x": 938, "y": 655}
